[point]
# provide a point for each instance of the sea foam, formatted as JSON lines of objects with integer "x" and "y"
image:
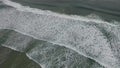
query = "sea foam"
{"x": 81, "y": 34}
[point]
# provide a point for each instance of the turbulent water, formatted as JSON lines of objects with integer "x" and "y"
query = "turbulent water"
{"x": 55, "y": 40}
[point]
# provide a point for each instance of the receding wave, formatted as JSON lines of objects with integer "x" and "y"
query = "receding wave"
{"x": 86, "y": 36}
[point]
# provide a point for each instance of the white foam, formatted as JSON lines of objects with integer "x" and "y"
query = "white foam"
{"x": 41, "y": 65}
{"x": 60, "y": 29}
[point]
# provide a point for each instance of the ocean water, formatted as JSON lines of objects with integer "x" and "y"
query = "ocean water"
{"x": 107, "y": 9}
{"x": 13, "y": 59}
{"x": 46, "y": 36}
{"x": 46, "y": 54}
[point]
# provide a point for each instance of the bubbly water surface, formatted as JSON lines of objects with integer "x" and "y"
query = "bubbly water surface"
{"x": 55, "y": 40}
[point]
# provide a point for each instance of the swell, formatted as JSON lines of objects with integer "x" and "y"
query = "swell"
{"x": 78, "y": 5}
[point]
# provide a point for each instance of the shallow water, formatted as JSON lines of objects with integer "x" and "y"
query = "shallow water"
{"x": 12, "y": 59}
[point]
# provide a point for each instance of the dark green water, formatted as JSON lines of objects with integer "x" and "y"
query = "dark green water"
{"x": 13, "y": 59}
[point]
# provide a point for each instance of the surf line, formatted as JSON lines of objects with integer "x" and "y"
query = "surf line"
{"x": 50, "y": 13}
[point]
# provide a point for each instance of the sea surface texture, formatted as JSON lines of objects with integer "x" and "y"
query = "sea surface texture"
{"x": 59, "y": 34}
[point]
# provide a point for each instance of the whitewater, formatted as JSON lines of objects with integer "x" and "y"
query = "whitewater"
{"x": 83, "y": 35}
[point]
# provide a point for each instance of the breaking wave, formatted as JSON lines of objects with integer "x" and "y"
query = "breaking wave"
{"x": 92, "y": 38}
{"x": 47, "y": 12}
